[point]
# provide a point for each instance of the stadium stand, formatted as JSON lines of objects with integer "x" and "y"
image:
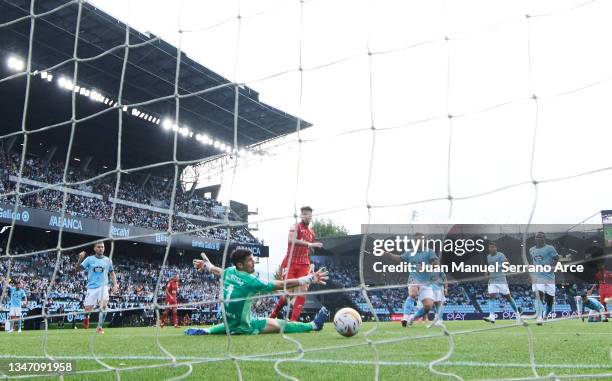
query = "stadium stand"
{"x": 137, "y": 276}
{"x": 137, "y": 205}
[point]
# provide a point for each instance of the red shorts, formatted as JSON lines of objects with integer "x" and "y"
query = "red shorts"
{"x": 295, "y": 270}
{"x": 603, "y": 295}
{"x": 170, "y": 302}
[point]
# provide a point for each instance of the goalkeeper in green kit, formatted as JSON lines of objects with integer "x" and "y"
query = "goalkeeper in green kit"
{"x": 241, "y": 283}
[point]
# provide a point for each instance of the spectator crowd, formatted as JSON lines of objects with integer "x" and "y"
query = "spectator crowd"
{"x": 144, "y": 196}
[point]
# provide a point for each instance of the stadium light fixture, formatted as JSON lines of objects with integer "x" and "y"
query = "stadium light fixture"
{"x": 43, "y": 74}
{"x": 222, "y": 146}
{"x": 216, "y": 144}
{"x": 228, "y": 149}
{"x": 125, "y": 108}
{"x": 49, "y": 77}
{"x": 15, "y": 63}
{"x": 167, "y": 124}
{"x": 242, "y": 152}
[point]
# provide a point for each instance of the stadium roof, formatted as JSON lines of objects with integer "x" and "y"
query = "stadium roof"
{"x": 150, "y": 74}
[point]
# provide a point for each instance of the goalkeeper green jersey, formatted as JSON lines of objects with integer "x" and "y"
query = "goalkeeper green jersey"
{"x": 241, "y": 285}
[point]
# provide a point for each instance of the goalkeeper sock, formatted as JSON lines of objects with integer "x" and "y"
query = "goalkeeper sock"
{"x": 492, "y": 307}
{"x": 408, "y": 307}
{"x": 296, "y": 327}
{"x": 298, "y": 305}
{"x": 101, "y": 317}
{"x": 513, "y": 305}
{"x": 86, "y": 321}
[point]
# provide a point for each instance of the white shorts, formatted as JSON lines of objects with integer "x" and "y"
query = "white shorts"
{"x": 425, "y": 291}
{"x": 499, "y": 288}
{"x": 96, "y": 295}
{"x": 438, "y": 294}
{"x": 15, "y": 311}
{"x": 547, "y": 288}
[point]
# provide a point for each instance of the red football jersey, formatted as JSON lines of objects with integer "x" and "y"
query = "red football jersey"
{"x": 604, "y": 278}
{"x": 171, "y": 290}
{"x": 301, "y": 252}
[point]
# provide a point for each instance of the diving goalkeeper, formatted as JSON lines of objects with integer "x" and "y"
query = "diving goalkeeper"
{"x": 240, "y": 283}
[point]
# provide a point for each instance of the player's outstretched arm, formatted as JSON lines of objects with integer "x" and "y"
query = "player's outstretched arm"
{"x": 204, "y": 263}
{"x": 80, "y": 259}
{"x": 318, "y": 277}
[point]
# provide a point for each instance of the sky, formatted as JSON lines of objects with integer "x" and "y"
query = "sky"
{"x": 479, "y": 61}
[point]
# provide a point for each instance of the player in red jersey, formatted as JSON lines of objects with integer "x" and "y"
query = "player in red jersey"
{"x": 296, "y": 263}
{"x": 604, "y": 280}
{"x": 171, "y": 294}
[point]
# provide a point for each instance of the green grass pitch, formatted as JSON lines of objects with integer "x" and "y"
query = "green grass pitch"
{"x": 563, "y": 348}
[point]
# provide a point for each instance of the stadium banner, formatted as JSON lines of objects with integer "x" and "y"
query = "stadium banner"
{"x": 606, "y": 220}
{"x": 550, "y": 253}
{"x": 48, "y": 220}
{"x": 506, "y": 315}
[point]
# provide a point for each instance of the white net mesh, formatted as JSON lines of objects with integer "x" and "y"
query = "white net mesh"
{"x": 370, "y": 122}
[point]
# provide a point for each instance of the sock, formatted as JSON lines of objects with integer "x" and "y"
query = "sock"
{"x": 86, "y": 321}
{"x": 19, "y": 324}
{"x": 298, "y": 305}
{"x": 549, "y": 308}
{"x": 296, "y": 327}
{"x": 420, "y": 313}
{"x": 101, "y": 317}
{"x": 7, "y": 325}
{"x": 278, "y": 307}
{"x": 174, "y": 316}
{"x": 513, "y": 305}
{"x": 408, "y": 307}
{"x": 162, "y": 319}
{"x": 492, "y": 307}
{"x": 440, "y": 312}
{"x": 538, "y": 307}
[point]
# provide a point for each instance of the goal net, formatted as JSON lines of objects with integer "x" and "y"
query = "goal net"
{"x": 138, "y": 124}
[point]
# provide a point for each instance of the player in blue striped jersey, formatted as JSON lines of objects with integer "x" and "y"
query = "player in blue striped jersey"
{"x": 440, "y": 292}
{"x": 18, "y": 299}
{"x": 420, "y": 280}
{"x": 543, "y": 281}
{"x": 498, "y": 284}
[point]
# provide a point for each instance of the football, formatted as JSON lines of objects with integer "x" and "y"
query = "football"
{"x": 347, "y": 322}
